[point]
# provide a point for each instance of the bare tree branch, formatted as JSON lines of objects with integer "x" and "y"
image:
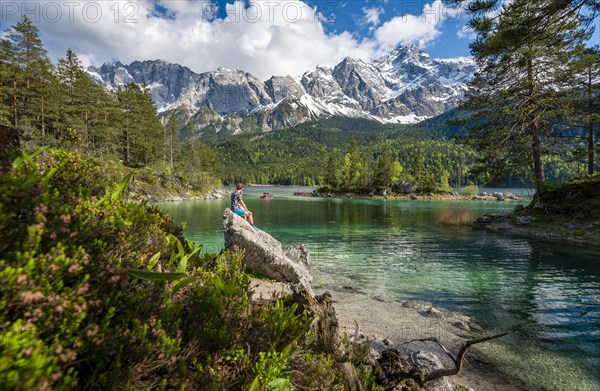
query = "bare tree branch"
{"x": 438, "y": 373}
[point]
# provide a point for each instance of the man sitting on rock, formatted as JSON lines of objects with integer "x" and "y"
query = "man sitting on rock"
{"x": 237, "y": 205}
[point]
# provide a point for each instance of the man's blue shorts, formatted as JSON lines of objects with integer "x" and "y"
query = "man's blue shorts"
{"x": 240, "y": 212}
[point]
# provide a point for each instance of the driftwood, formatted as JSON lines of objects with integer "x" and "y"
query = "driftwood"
{"x": 458, "y": 359}
{"x": 395, "y": 373}
{"x": 329, "y": 338}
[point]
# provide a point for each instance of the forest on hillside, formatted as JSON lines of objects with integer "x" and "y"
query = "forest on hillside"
{"x": 433, "y": 154}
{"x": 60, "y": 106}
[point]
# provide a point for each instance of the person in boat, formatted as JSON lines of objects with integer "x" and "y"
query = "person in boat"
{"x": 238, "y": 206}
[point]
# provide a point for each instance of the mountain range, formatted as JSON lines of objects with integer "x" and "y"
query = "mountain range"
{"x": 404, "y": 86}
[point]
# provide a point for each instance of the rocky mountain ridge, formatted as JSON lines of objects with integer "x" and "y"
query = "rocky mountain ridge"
{"x": 404, "y": 86}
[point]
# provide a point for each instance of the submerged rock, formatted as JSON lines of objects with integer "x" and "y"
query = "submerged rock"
{"x": 524, "y": 220}
{"x": 485, "y": 220}
{"x": 263, "y": 253}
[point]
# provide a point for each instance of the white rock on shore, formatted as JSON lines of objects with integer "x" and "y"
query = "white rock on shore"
{"x": 264, "y": 255}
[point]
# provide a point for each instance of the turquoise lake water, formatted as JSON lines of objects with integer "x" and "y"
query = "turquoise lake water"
{"x": 545, "y": 295}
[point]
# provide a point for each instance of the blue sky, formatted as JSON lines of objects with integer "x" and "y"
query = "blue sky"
{"x": 266, "y": 37}
{"x": 353, "y": 16}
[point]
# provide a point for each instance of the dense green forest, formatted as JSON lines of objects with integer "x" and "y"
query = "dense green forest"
{"x": 62, "y": 107}
{"x": 346, "y": 153}
{"x": 432, "y": 154}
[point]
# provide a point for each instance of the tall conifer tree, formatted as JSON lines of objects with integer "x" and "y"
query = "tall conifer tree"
{"x": 5, "y": 82}
{"x": 30, "y": 74}
{"x": 526, "y": 51}
{"x": 142, "y": 133}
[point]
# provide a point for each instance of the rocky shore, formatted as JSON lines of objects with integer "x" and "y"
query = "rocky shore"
{"x": 570, "y": 214}
{"x": 482, "y": 196}
{"x": 387, "y": 325}
{"x": 398, "y": 324}
{"x": 215, "y": 194}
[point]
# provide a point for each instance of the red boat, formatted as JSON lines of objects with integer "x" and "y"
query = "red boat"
{"x": 266, "y": 196}
{"x": 299, "y": 193}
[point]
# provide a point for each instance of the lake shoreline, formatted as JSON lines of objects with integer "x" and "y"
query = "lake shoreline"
{"x": 421, "y": 197}
{"x": 392, "y": 324}
{"x": 570, "y": 214}
{"x": 428, "y": 250}
{"x": 215, "y": 194}
{"x": 558, "y": 229}
{"x": 397, "y": 323}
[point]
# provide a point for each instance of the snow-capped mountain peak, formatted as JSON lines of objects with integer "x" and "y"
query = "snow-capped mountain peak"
{"x": 405, "y": 85}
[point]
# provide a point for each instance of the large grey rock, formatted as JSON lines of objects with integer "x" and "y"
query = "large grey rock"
{"x": 299, "y": 253}
{"x": 263, "y": 253}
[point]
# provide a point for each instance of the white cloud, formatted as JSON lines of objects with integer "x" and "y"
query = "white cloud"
{"x": 466, "y": 32}
{"x": 270, "y": 37}
{"x": 372, "y": 15}
{"x": 420, "y": 30}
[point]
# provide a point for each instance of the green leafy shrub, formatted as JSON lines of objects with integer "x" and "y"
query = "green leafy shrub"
{"x": 97, "y": 292}
{"x": 315, "y": 371}
{"x": 470, "y": 190}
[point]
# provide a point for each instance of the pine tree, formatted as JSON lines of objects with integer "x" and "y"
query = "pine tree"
{"x": 172, "y": 145}
{"x": 30, "y": 74}
{"x": 526, "y": 54}
{"x": 82, "y": 99}
{"x": 423, "y": 176}
{"x": 331, "y": 177}
{"x": 142, "y": 133}
{"x": 586, "y": 100}
{"x": 353, "y": 167}
{"x": 105, "y": 120}
{"x": 396, "y": 171}
{"x": 383, "y": 169}
{"x": 70, "y": 72}
{"x": 5, "y": 80}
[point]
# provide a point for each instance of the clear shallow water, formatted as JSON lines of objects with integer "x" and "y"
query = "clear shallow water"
{"x": 546, "y": 296}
